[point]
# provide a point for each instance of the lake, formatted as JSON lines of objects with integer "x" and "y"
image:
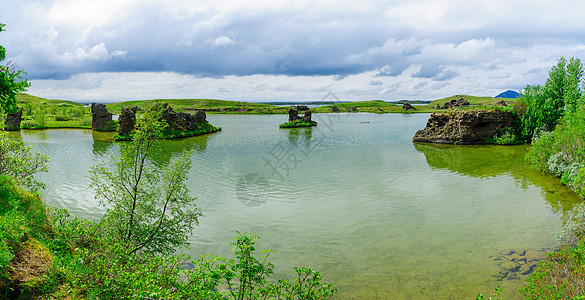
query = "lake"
{"x": 354, "y": 198}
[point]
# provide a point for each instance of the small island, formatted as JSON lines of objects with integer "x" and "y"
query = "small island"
{"x": 295, "y": 121}
{"x": 179, "y": 124}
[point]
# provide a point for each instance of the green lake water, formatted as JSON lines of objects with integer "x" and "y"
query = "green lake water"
{"x": 354, "y": 198}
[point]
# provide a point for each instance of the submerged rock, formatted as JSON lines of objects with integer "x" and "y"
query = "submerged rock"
{"x": 463, "y": 127}
{"x": 518, "y": 261}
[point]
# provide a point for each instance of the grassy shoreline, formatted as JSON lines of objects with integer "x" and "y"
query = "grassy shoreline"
{"x": 41, "y": 113}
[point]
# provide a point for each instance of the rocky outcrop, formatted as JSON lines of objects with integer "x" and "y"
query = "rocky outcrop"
{"x": 353, "y": 108}
{"x": 407, "y": 107}
{"x": 200, "y": 116}
{"x": 101, "y": 119}
{"x": 454, "y": 103}
{"x": 293, "y": 114}
{"x": 307, "y": 116}
{"x": 463, "y": 127}
{"x": 127, "y": 120}
{"x": 180, "y": 121}
{"x": 334, "y": 108}
{"x": 13, "y": 120}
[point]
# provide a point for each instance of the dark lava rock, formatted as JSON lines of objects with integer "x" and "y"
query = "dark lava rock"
{"x": 293, "y": 114}
{"x": 463, "y": 127}
{"x": 100, "y": 117}
{"x": 307, "y": 116}
{"x": 181, "y": 121}
{"x": 407, "y": 106}
{"x": 127, "y": 120}
{"x": 12, "y": 121}
{"x": 335, "y": 109}
{"x": 353, "y": 108}
{"x": 200, "y": 116}
{"x": 454, "y": 103}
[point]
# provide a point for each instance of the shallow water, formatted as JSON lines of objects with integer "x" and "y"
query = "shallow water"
{"x": 354, "y": 198}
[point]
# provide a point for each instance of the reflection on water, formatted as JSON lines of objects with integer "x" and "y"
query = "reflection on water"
{"x": 380, "y": 216}
{"x": 102, "y": 142}
{"x": 492, "y": 161}
{"x": 294, "y": 135}
{"x": 171, "y": 149}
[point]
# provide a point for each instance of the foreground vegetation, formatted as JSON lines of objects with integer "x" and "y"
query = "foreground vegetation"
{"x": 128, "y": 254}
{"x": 552, "y": 118}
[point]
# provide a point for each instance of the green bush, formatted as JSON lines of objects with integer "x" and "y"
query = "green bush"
{"x": 40, "y": 116}
{"x": 561, "y": 163}
{"x": 541, "y": 150}
{"x": 560, "y": 276}
{"x": 298, "y": 123}
{"x": 543, "y": 106}
{"x": 63, "y": 118}
{"x": 504, "y": 136}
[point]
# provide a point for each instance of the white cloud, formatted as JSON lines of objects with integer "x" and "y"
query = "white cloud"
{"x": 221, "y": 41}
{"x": 267, "y": 49}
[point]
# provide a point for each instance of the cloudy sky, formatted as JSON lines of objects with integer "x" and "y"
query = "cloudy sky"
{"x": 89, "y": 50}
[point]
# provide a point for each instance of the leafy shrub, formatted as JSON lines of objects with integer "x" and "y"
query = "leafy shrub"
{"x": 541, "y": 150}
{"x": 562, "y": 163}
{"x": 40, "y": 116}
{"x": 545, "y": 105}
{"x": 29, "y": 124}
{"x": 574, "y": 227}
{"x": 19, "y": 161}
{"x": 495, "y": 296}
{"x": 63, "y": 118}
{"x": 504, "y": 136}
{"x": 560, "y": 276}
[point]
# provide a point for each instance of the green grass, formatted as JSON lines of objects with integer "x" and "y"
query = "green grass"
{"x": 473, "y": 100}
{"x": 26, "y": 98}
{"x": 210, "y": 105}
{"x": 375, "y": 106}
{"x": 296, "y": 124}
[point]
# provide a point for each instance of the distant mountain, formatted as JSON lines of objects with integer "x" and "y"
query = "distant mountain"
{"x": 508, "y": 94}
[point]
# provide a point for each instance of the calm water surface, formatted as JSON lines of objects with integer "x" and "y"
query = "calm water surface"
{"x": 354, "y": 198}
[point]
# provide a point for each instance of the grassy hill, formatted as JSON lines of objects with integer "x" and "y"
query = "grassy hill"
{"x": 473, "y": 100}
{"x": 212, "y": 105}
{"x": 375, "y": 106}
{"x": 53, "y": 108}
{"x": 24, "y": 99}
